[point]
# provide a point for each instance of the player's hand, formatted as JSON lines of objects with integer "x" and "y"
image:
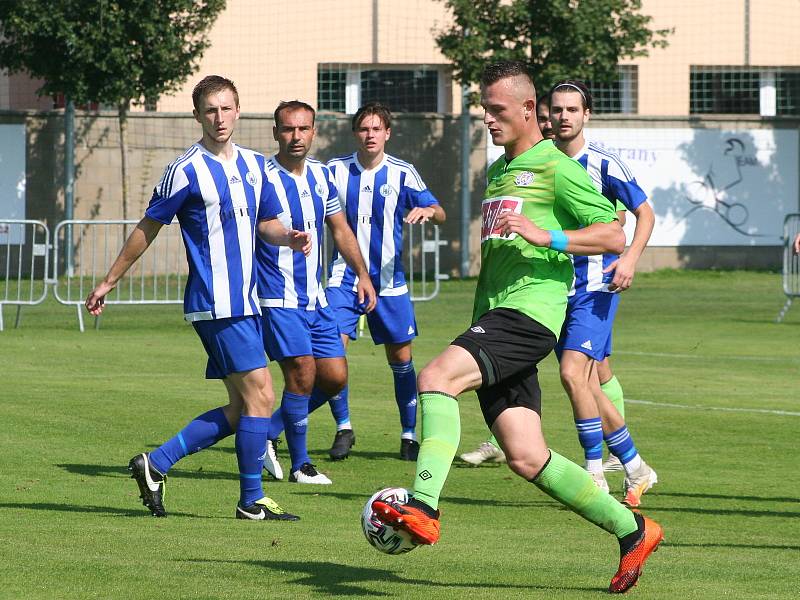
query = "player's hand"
{"x": 96, "y": 300}
{"x": 420, "y": 214}
{"x": 624, "y": 270}
{"x": 299, "y": 241}
{"x": 511, "y": 222}
{"x": 367, "y": 298}
{"x": 796, "y": 244}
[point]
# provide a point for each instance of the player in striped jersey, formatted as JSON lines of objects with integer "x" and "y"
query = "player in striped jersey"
{"x": 585, "y": 343}
{"x": 219, "y": 194}
{"x": 380, "y": 193}
{"x": 300, "y": 330}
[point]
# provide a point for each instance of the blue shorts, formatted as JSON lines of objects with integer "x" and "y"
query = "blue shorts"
{"x": 392, "y": 321}
{"x": 233, "y": 345}
{"x": 299, "y": 332}
{"x": 587, "y": 327}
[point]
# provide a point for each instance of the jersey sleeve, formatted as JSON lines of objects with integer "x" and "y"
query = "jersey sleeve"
{"x": 332, "y": 205}
{"x": 417, "y": 193}
{"x": 622, "y": 186}
{"x": 269, "y": 206}
{"x": 169, "y": 195}
{"x": 575, "y": 193}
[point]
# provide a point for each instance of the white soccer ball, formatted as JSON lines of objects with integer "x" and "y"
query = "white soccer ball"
{"x": 381, "y": 536}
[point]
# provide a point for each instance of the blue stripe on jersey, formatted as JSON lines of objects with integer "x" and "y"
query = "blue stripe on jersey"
{"x": 230, "y": 232}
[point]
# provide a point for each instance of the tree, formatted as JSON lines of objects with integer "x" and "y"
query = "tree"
{"x": 579, "y": 39}
{"x": 114, "y": 52}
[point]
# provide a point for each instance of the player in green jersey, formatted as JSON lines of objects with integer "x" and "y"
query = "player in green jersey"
{"x": 539, "y": 205}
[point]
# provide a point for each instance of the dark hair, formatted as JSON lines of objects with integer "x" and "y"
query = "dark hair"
{"x": 212, "y": 84}
{"x": 291, "y": 106}
{"x": 543, "y": 99}
{"x": 505, "y": 68}
{"x": 373, "y": 108}
{"x": 574, "y": 85}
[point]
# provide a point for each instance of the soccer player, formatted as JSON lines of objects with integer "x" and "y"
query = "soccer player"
{"x": 300, "y": 330}
{"x": 220, "y": 196}
{"x": 381, "y": 193}
{"x": 586, "y": 337}
{"x": 489, "y": 451}
{"x": 539, "y": 206}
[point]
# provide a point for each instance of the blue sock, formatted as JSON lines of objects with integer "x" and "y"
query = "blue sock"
{"x": 318, "y": 398}
{"x": 295, "y": 423}
{"x": 275, "y": 424}
{"x": 251, "y": 445}
{"x": 340, "y": 408}
{"x": 204, "y": 431}
{"x": 620, "y": 444}
{"x": 590, "y": 436}
{"x": 405, "y": 394}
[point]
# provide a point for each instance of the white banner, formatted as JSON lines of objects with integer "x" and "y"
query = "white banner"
{"x": 710, "y": 186}
{"x": 12, "y": 181}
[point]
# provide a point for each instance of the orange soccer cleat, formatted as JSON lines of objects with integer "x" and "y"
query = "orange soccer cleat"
{"x": 632, "y": 561}
{"x": 423, "y": 528}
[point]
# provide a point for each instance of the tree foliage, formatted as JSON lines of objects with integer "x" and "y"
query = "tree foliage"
{"x": 581, "y": 39}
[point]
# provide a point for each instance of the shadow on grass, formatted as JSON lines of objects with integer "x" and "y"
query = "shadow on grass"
{"x": 725, "y": 512}
{"x": 745, "y": 546}
{"x": 86, "y": 508}
{"x": 495, "y": 503}
{"x": 343, "y": 580}
{"x": 726, "y": 497}
{"x": 117, "y": 471}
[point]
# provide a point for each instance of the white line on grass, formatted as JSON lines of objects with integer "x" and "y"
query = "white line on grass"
{"x": 707, "y": 357}
{"x": 786, "y": 413}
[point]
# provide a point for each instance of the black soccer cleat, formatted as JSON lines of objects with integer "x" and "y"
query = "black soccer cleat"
{"x": 409, "y": 449}
{"x": 151, "y": 484}
{"x": 265, "y": 509}
{"x": 344, "y": 440}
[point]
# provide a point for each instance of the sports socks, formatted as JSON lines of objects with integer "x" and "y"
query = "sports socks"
{"x": 251, "y": 446}
{"x": 493, "y": 441}
{"x": 294, "y": 412}
{"x": 441, "y": 432}
{"x": 318, "y": 398}
{"x": 573, "y": 487}
{"x": 405, "y": 394}
{"x": 590, "y": 436}
{"x": 620, "y": 444}
{"x": 340, "y": 408}
{"x": 613, "y": 390}
{"x": 204, "y": 431}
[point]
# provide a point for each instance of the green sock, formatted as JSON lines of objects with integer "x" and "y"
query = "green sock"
{"x": 441, "y": 432}
{"x": 566, "y": 482}
{"x": 613, "y": 390}
{"x": 493, "y": 441}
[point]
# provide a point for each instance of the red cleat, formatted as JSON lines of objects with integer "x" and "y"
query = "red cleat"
{"x": 632, "y": 562}
{"x": 422, "y": 528}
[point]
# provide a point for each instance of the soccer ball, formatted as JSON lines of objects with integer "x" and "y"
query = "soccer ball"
{"x": 381, "y": 536}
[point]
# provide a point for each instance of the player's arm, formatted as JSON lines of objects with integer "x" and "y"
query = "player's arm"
{"x": 138, "y": 241}
{"x": 625, "y": 266}
{"x": 273, "y": 232}
{"x": 597, "y": 238}
{"x": 347, "y": 246}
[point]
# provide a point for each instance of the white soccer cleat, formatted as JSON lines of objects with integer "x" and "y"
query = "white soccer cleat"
{"x": 308, "y": 474}
{"x": 612, "y": 463}
{"x": 483, "y": 453}
{"x": 271, "y": 464}
{"x": 599, "y": 480}
{"x": 637, "y": 483}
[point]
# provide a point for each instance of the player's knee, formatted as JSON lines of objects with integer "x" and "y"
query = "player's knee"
{"x": 572, "y": 377}
{"x": 523, "y": 466}
{"x": 430, "y": 378}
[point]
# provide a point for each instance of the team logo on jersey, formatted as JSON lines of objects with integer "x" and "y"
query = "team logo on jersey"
{"x": 251, "y": 178}
{"x": 386, "y": 190}
{"x": 319, "y": 189}
{"x": 492, "y": 208}
{"x": 524, "y": 179}
{"x": 234, "y": 179}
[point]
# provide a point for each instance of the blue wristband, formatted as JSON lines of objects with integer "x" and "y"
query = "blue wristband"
{"x": 558, "y": 240}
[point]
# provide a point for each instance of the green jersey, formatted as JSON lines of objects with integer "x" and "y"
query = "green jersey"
{"x": 555, "y": 192}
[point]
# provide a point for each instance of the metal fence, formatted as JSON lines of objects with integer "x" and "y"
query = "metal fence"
{"x": 24, "y": 264}
{"x": 791, "y": 262}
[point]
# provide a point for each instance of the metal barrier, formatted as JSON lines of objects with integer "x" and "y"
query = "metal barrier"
{"x": 24, "y": 256}
{"x": 791, "y": 262}
{"x": 419, "y": 263}
{"x": 85, "y": 250}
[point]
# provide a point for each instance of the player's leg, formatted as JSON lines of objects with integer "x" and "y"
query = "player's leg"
{"x": 611, "y": 386}
{"x": 330, "y": 383}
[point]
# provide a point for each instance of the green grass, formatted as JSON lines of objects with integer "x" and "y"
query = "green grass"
{"x": 701, "y": 349}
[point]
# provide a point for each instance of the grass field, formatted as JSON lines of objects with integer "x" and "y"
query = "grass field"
{"x": 714, "y": 389}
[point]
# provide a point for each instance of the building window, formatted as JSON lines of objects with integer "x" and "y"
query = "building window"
{"x": 345, "y": 87}
{"x": 766, "y": 91}
{"x": 621, "y": 96}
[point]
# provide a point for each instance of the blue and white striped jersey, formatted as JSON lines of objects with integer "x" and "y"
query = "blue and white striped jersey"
{"x": 287, "y": 279}
{"x": 218, "y": 204}
{"x": 376, "y": 200}
{"x": 614, "y": 180}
